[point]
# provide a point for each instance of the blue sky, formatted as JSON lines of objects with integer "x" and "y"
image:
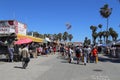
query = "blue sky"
{"x": 50, "y": 16}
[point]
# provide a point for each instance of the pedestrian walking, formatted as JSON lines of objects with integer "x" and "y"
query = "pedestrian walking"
{"x": 85, "y": 54}
{"x": 62, "y": 51}
{"x": 89, "y": 54}
{"x": 54, "y": 50}
{"x": 25, "y": 56}
{"x": 95, "y": 54}
{"x": 11, "y": 50}
{"x": 46, "y": 51}
{"x": 78, "y": 51}
{"x": 70, "y": 53}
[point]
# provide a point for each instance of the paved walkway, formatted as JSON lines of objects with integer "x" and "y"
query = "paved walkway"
{"x": 55, "y": 68}
{"x": 14, "y": 71}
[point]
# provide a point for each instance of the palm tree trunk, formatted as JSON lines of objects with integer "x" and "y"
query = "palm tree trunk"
{"x": 93, "y": 40}
{"x": 107, "y": 24}
{"x": 107, "y": 30}
{"x": 104, "y": 40}
{"x": 100, "y": 40}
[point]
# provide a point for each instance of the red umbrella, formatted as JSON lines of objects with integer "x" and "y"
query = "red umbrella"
{"x": 23, "y": 41}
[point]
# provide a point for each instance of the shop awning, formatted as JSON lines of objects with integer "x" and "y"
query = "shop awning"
{"x": 34, "y": 39}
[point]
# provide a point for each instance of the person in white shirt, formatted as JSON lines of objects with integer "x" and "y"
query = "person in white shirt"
{"x": 89, "y": 54}
{"x": 70, "y": 53}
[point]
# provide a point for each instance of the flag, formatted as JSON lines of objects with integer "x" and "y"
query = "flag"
{"x": 68, "y": 26}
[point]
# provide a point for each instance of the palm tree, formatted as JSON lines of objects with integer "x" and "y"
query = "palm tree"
{"x": 105, "y": 12}
{"x": 100, "y": 26}
{"x": 104, "y": 35}
{"x": 111, "y": 31}
{"x": 55, "y": 38}
{"x": 107, "y": 35}
{"x": 94, "y": 34}
{"x": 41, "y": 36}
{"x": 70, "y": 37}
{"x": 65, "y": 36}
{"x": 93, "y": 28}
{"x": 87, "y": 41}
{"x": 113, "y": 34}
{"x": 100, "y": 33}
{"x": 29, "y": 33}
{"x": 45, "y": 35}
{"x": 60, "y": 36}
{"x": 35, "y": 34}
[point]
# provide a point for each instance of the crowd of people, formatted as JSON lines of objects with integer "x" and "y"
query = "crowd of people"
{"x": 24, "y": 52}
{"x": 84, "y": 54}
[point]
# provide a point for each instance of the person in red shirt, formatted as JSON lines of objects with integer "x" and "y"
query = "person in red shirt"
{"x": 54, "y": 49}
{"x": 95, "y": 54}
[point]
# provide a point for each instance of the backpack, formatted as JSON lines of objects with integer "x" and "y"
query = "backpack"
{"x": 77, "y": 51}
{"x": 62, "y": 49}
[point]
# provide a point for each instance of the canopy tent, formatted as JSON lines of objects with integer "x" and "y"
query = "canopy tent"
{"x": 34, "y": 39}
{"x": 117, "y": 43}
{"x": 23, "y": 41}
{"x": 102, "y": 45}
{"x": 47, "y": 39}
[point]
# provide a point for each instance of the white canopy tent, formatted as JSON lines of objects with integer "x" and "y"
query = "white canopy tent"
{"x": 47, "y": 39}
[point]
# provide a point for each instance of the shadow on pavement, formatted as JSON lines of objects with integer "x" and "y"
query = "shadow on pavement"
{"x": 72, "y": 62}
{"x": 18, "y": 67}
{"x": 3, "y": 60}
{"x": 109, "y": 59}
{"x": 98, "y": 70}
{"x": 64, "y": 61}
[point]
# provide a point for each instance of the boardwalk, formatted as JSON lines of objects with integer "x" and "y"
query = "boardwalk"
{"x": 55, "y": 68}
